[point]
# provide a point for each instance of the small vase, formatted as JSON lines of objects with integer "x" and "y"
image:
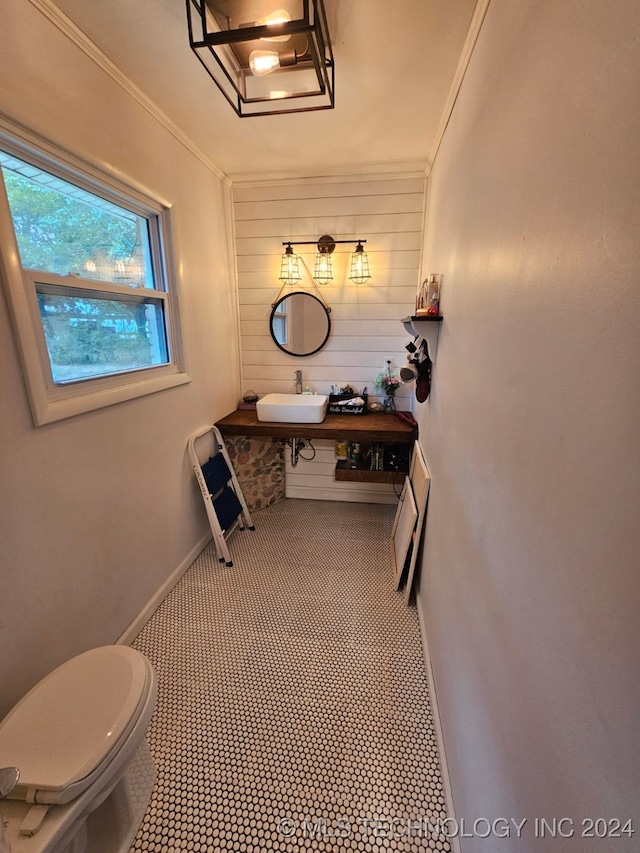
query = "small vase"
{"x": 390, "y": 404}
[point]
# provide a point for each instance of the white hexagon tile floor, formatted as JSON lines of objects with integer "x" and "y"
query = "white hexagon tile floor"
{"x": 293, "y": 708}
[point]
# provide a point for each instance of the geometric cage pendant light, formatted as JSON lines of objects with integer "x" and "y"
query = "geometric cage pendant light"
{"x": 267, "y": 57}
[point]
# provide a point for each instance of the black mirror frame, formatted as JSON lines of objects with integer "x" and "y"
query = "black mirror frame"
{"x": 273, "y": 311}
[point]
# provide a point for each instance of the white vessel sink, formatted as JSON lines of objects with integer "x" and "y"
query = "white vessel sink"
{"x": 293, "y": 408}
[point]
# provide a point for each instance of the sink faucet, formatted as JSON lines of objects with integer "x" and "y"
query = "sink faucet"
{"x": 298, "y": 382}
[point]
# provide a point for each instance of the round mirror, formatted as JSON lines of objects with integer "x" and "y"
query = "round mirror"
{"x": 300, "y": 323}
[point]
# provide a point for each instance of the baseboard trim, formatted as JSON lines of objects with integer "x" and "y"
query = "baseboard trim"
{"x": 446, "y": 781}
{"x": 159, "y": 596}
{"x": 347, "y": 496}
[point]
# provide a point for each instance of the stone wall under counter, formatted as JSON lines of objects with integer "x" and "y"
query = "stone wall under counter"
{"x": 259, "y": 465}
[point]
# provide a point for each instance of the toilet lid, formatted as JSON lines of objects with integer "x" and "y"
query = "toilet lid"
{"x": 71, "y": 721}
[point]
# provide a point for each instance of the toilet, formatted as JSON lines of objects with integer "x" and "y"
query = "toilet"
{"x": 78, "y": 740}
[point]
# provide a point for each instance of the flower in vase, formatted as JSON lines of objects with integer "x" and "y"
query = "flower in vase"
{"x": 388, "y": 383}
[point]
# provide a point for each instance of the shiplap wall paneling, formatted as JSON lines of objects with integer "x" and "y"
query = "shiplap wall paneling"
{"x": 365, "y": 319}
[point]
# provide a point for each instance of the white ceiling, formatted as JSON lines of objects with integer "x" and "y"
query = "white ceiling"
{"x": 395, "y": 62}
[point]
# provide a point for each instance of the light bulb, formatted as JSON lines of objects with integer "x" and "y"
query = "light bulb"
{"x": 323, "y": 273}
{"x": 263, "y": 62}
{"x": 281, "y": 16}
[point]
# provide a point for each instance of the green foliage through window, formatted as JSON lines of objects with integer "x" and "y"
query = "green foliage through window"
{"x": 64, "y": 230}
{"x": 88, "y": 336}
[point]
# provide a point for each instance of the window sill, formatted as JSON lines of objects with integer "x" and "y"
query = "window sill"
{"x": 49, "y": 411}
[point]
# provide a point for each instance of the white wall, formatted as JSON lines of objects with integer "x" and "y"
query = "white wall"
{"x": 387, "y": 211}
{"x": 530, "y": 589}
{"x": 98, "y": 510}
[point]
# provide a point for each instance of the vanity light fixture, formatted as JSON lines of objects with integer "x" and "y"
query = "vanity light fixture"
{"x": 238, "y": 44}
{"x": 290, "y": 266}
{"x": 323, "y": 272}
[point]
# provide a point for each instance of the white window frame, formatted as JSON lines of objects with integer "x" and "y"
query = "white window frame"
{"x": 283, "y": 315}
{"x": 50, "y": 401}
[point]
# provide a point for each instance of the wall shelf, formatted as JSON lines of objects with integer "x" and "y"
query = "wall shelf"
{"x": 427, "y": 327}
{"x": 363, "y": 474}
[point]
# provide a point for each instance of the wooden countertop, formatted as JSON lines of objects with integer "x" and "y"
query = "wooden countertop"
{"x": 374, "y": 426}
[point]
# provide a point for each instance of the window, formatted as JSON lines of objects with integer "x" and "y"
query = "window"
{"x": 280, "y": 326}
{"x": 86, "y": 264}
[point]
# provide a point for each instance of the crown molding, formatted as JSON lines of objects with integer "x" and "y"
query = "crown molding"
{"x": 346, "y": 173}
{"x": 90, "y": 49}
{"x": 465, "y": 57}
{"x": 339, "y": 175}
{"x": 20, "y": 139}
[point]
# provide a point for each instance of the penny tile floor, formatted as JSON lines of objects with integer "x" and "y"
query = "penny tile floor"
{"x": 293, "y": 707}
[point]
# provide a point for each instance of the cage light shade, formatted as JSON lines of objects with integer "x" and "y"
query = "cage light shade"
{"x": 290, "y": 267}
{"x": 299, "y": 76}
{"x": 323, "y": 273}
{"x": 359, "y": 266}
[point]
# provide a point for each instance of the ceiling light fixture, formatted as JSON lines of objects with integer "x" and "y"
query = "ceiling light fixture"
{"x": 257, "y": 81}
